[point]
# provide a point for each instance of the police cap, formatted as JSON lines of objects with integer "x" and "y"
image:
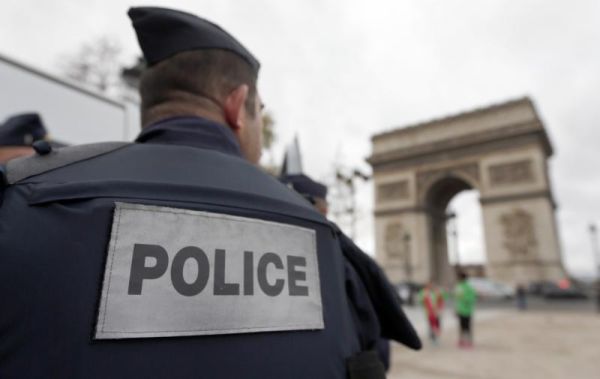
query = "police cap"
{"x": 163, "y": 32}
{"x": 305, "y": 186}
{"x": 22, "y": 130}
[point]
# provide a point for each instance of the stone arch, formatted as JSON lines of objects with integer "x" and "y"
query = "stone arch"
{"x": 436, "y": 199}
{"x": 502, "y": 152}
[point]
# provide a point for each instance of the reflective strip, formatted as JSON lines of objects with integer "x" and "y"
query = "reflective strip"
{"x": 174, "y": 272}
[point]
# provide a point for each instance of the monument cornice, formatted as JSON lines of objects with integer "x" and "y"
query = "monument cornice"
{"x": 456, "y": 117}
{"x": 463, "y": 146}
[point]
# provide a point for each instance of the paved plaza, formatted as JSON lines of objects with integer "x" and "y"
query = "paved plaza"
{"x": 545, "y": 342}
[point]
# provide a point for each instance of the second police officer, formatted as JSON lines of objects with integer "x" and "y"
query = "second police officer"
{"x": 375, "y": 305}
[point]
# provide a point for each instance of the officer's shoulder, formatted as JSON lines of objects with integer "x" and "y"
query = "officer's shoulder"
{"x": 44, "y": 160}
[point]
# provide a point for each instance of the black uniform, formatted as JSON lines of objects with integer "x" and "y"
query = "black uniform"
{"x": 54, "y": 230}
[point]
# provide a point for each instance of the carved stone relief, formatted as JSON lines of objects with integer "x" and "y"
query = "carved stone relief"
{"x": 392, "y": 191}
{"x": 519, "y": 233}
{"x": 511, "y": 173}
{"x": 396, "y": 244}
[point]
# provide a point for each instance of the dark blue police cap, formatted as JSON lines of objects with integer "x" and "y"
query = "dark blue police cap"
{"x": 164, "y": 32}
{"x": 22, "y": 130}
{"x": 305, "y": 186}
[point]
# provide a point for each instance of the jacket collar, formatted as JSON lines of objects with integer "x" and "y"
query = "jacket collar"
{"x": 191, "y": 131}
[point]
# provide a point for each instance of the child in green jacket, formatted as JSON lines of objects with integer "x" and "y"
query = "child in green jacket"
{"x": 464, "y": 302}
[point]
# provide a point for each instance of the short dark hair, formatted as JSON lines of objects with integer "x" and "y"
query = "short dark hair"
{"x": 210, "y": 74}
{"x": 462, "y": 275}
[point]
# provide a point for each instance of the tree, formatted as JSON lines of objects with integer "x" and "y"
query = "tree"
{"x": 96, "y": 64}
{"x": 344, "y": 210}
{"x": 269, "y": 137}
{"x": 268, "y": 132}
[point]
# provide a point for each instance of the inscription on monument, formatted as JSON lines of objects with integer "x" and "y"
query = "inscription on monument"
{"x": 392, "y": 191}
{"x": 519, "y": 234}
{"x": 511, "y": 173}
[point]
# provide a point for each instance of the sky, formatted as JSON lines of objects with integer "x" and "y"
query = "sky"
{"x": 336, "y": 72}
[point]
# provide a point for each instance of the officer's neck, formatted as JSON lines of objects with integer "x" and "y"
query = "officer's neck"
{"x": 180, "y": 109}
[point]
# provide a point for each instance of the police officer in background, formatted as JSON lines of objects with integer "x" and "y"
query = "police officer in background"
{"x": 313, "y": 191}
{"x": 19, "y": 132}
{"x": 173, "y": 257}
{"x": 376, "y": 307}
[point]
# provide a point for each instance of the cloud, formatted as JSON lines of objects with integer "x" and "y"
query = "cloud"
{"x": 337, "y": 72}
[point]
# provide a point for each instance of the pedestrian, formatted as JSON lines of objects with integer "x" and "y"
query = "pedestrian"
{"x": 521, "y": 297}
{"x": 465, "y": 298}
{"x": 175, "y": 256}
{"x": 19, "y": 133}
{"x": 432, "y": 300}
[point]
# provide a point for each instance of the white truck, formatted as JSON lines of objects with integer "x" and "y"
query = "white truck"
{"x": 71, "y": 113}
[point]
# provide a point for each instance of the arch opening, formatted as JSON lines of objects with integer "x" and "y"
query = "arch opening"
{"x": 443, "y": 215}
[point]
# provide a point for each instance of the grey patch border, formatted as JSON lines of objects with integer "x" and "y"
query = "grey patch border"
{"x": 100, "y": 333}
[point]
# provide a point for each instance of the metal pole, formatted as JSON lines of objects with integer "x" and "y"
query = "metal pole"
{"x": 455, "y": 234}
{"x": 408, "y": 268}
{"x": 353, "y": 205}
{"x": 348, "y": 182}
{"x": 451, "y": 223}
{"x": 594, "y": 237}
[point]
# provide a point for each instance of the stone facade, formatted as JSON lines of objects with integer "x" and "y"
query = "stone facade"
{"x": 502, "y": 152}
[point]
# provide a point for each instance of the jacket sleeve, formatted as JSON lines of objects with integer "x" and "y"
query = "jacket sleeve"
{"x": 392, "y": 319}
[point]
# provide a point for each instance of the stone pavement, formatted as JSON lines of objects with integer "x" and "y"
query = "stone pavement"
{"x": 508, "y": 344}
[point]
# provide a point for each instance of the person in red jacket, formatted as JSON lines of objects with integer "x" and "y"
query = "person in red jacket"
{"x": 432, "y": 299}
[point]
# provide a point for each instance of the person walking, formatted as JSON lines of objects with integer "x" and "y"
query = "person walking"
{"x": 432, "y": 300}
{"x": 521, "y": 296}
{"x": 465, "y": 298}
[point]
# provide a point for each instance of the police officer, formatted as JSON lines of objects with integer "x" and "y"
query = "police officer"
{"x": 173, "y": 257}
{"x": 313, "y": 191}
{"x": 19, "y": 132}
{"x": 372, "y": 295}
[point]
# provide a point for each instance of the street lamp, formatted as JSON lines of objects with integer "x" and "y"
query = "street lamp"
{"x": 594, "y": 237}
{"x": 408, "y": 268}
{"x": 348, "y": 180}
{"x": 454, "y": 233}
{"x": 407, "y": 257}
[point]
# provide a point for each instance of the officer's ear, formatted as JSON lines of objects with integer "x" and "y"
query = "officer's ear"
{"x": 235, "y": 111}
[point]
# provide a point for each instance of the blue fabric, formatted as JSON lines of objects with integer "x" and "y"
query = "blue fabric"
{"x": 54, "y": 230}
{"x": 164, "y": 32}
{"x": 305, "y": 186}
{"x": 22, "y": 130}
{"x": 393, "y": 322}
{"x": 191, "y": 131}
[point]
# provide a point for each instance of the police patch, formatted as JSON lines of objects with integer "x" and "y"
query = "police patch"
{"x": 174, "y": 272}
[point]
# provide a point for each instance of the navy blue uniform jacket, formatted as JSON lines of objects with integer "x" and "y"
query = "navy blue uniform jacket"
{"x": 54, "y": 228}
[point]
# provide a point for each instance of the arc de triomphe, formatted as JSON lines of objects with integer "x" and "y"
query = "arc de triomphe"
{"x": 500, "y": 151}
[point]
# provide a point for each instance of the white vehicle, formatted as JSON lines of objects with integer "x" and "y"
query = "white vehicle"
{"x": 71, "y": 113}
{"x": 488, "y": 289}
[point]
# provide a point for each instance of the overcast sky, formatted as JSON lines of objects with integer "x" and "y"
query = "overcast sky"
{"x": 336, "y": 72}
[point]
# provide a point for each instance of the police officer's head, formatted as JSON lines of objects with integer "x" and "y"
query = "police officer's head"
{"x": 18, "y": 133}
{"x": 313, "y": 191}
{"x": 195, "y": 68}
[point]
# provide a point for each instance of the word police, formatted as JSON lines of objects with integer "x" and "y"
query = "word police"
{"x": 293, "y": 271}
